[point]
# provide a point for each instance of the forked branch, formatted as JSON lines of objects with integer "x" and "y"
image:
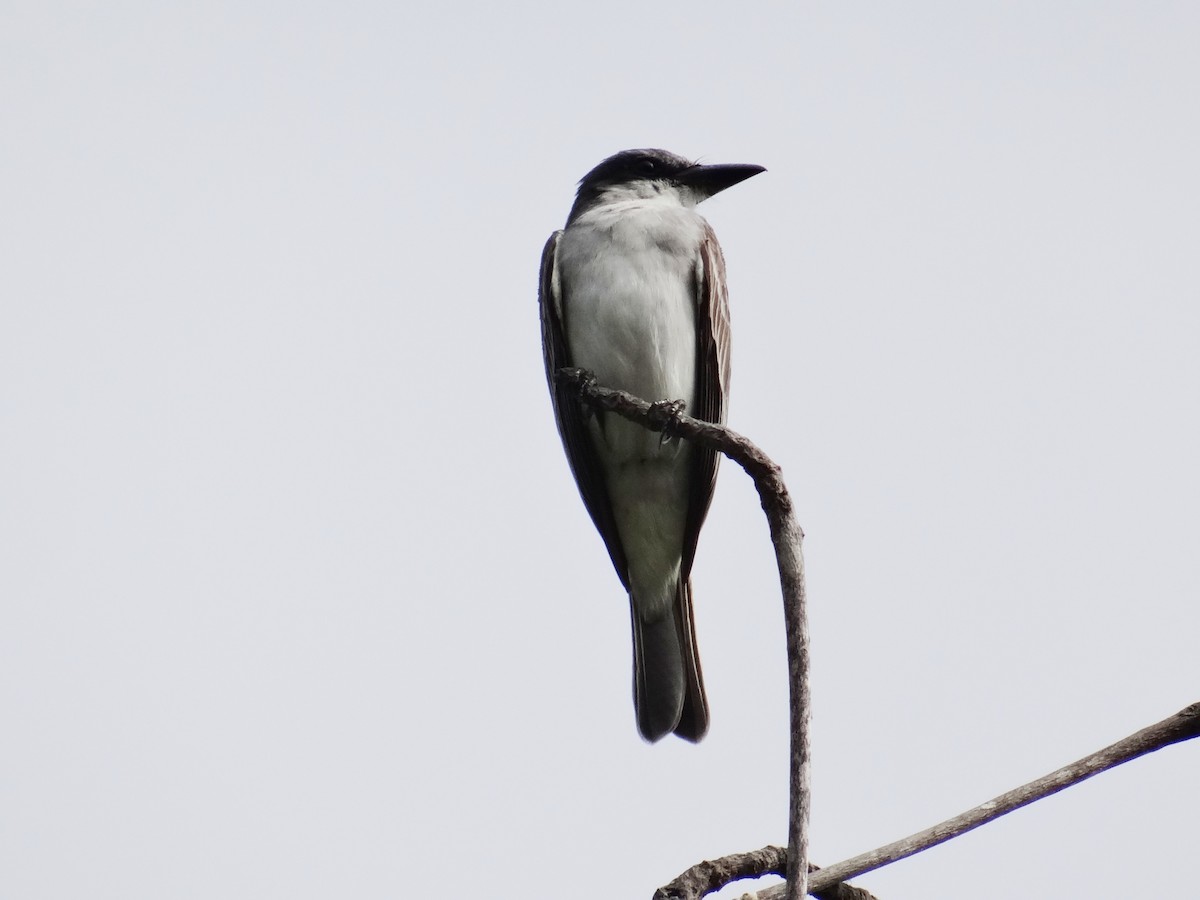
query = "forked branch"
{"x": 1182, "y": 726}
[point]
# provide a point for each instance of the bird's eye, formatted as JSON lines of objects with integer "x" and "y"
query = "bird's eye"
{"x": 647, "y": 166}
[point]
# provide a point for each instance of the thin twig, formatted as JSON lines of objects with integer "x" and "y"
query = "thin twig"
{"x": 787, "y": 537}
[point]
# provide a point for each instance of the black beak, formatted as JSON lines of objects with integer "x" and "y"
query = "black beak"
{"x": 709, "y": 180}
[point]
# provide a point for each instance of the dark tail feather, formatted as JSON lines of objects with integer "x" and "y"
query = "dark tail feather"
{"x": 668, "y": 691}
{"x": 693, "y": 720}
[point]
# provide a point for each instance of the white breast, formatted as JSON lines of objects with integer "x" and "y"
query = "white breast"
{"x": 628, "y": 275}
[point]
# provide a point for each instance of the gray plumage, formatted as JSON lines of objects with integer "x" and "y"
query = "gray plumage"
{"x": 634, "y": 290}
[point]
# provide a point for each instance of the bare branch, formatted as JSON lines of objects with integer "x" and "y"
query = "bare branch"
{"x": 1182, "y": 726}
{"x": 787, "y": 537}
{"x": 712, "y": 875}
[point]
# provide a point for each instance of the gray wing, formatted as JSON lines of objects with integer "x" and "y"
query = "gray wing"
{"x": 712, "y": 382}
{"x": 569, "y": 413}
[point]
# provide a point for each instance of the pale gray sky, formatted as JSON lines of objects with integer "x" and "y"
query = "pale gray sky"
{"x": 297, "y": 597}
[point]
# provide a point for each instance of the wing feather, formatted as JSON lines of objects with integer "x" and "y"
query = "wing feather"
{"x": 569, "y": 413}
{"x": 712, "y": 382}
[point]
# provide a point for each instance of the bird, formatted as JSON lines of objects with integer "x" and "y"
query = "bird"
{"x": 633, "y": 290}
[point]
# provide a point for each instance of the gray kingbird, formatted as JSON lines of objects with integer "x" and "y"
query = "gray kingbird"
{"x": 633, "y": 289}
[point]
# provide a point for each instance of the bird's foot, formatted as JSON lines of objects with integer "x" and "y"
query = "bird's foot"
{"x": 580, "y": 377}
{"x": 582, "y": 380}
{"x": 664, "y": 415}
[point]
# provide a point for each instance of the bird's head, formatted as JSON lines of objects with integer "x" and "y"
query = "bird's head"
{"x": 655, "y": 174}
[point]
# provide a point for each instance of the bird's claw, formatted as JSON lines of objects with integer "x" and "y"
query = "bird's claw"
{"x": 664, "y": 414}
{"x": 583, "y": 379}
{"x": 573, "y": 375}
